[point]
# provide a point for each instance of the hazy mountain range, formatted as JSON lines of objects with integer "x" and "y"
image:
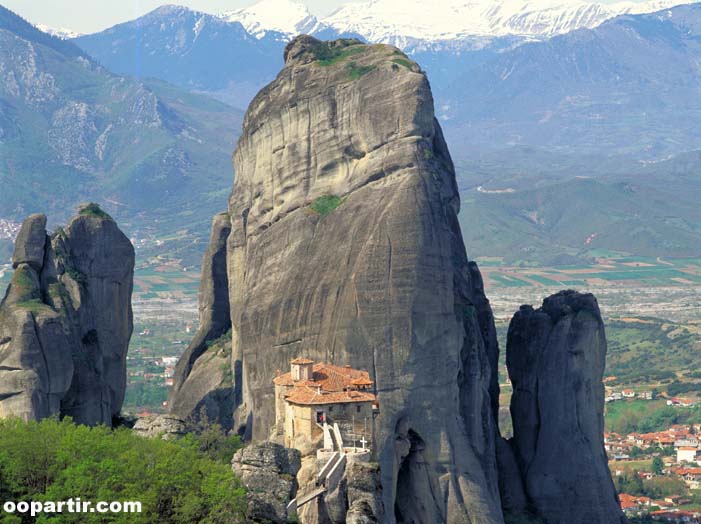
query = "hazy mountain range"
{"x": 533, "y": 96}
{"x": 71, "y": 131}
{"x": 625, "y": 87}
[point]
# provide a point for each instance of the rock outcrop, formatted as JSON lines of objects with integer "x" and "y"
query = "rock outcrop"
{"x": 66, "y": 320}
{"x": 268, "y": 471}
{"x": 345, "y": 248}
{"x": 354, "y": 497}
{"x": 556, "y": 356}
{"x": 364, "y": 494}
{"x": 167, "y": 427}
{"x": 203, "y": 376}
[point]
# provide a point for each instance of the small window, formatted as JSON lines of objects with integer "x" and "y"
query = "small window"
{"x": 357, "y": 408}
{"x": 330, "y": 409}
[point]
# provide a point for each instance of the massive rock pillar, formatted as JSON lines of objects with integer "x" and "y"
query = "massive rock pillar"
{"x": 556, "y": 356}
{"x": 66, "y": 320}
{"x": 345, "y": 248}
{"x": 203, "y": 376}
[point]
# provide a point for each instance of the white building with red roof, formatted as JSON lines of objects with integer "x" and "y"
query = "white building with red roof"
{"x": 312, "y": 394}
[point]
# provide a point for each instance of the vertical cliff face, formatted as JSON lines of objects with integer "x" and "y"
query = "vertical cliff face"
{"x": 556, "y": 356}
{"x": 203, "y": 377}
{"x": 66, "y": 320}
{"x": 34, "y": 371}
{"x": 345, "y": 248}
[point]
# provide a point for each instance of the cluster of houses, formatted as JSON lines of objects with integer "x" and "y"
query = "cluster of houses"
{"x": 683, "y": 438}
{"x": 684, "y": 463}
{"x": 626, "y": 394}
{"x": 664, "y": 510}
{"x": 167, "y": 363}
{"x": 629, "y": 394}
{"x": 681, "y": 402}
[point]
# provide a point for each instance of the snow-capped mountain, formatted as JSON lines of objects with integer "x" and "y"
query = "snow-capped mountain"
{"x": 283, "y": 16}
{"x": 191, "y": 49}
{"x": 399, "y": 23}
{"x": 412, "y": 25}
{"x": 59, "y": 32}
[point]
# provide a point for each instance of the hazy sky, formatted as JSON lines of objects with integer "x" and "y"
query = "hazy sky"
{"x": 89, "y": 16}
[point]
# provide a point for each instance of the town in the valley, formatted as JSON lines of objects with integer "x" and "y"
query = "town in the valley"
{"x": 657, "y": 474}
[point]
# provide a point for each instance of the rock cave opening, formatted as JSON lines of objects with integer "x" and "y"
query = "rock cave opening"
{"x": 413, "y": 483}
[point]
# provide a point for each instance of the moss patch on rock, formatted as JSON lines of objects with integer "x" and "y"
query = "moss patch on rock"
{"x": 403, "y": 62}
{"x": 355, "y": 71}
{"x": 327, "y": 54}
{"x": 93, "y": 210}
{"x": 325, "y": 204}
{"x": 34, "y": 306}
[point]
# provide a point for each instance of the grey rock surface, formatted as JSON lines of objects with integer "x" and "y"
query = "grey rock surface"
{"x": 99, "y": 258}
{"x": 356, "y": 498}
{"x": 166, "y": 427}
{"x": 345, "y": 248}
{"x": 364, "y": 492}
{"x": 66, "y": 320}
{"x": 556, "y": 356}
{"x": 203, "y": 375}
{"x": 513, "y": 496}
{"x": 268, "y": 471}
{"x": 31, "y": 242}
{"x": 207, "y": 392}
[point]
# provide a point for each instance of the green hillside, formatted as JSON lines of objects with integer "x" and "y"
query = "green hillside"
{"x": 649, "y": 350}
{"x": 72, "y": 131}
{"x": 541, "y": 221}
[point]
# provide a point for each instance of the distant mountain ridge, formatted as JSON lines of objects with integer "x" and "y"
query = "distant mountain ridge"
{"x": 628, "y": 87}
{"x": 411, "y": 24}
{"x": 60, "y": 32}
{"x": 279, "y": 16}
{"x": 602, "y": 103}
{"x": 450, "y": 25}
{"x": 195, "y": 50}
{"x": 71, "y": 131}
{"x": 602, "y": 89}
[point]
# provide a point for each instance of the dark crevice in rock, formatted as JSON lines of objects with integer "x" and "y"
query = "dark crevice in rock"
{"x": 5, "y": 396}
{"x": 415, "y": 493}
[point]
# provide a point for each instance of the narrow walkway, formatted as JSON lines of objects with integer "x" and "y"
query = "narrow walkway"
{"x": 308, "y": 497}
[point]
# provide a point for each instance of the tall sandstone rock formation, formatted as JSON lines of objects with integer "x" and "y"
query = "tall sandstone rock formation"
{"x": 203, "y": 377}
{"x": 66, "y": 320}
{"x": 556, "y": 356}
{"x": 345, "y": 247}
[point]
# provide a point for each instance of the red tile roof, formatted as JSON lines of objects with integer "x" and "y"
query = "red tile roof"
{"x": 306, "y": 395}
{"x": 627, "y": 501}
{"x": 329, "y": 385}
{"x": 327, "y": 376}
{"x": 361, "y": 381}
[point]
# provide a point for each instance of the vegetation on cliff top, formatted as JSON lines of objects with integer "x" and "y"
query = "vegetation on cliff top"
{"x": 328, "y": 54}
{"x": 185, "y": 481}
{"x": 93, "y": 210}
